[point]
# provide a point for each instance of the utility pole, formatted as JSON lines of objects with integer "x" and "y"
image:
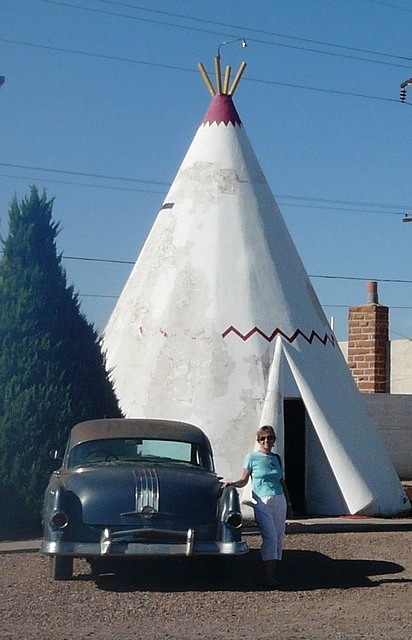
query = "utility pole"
{"x": 406, "y": 83}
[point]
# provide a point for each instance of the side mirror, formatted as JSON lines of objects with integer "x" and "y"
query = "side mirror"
{"x": 55, "y": 460}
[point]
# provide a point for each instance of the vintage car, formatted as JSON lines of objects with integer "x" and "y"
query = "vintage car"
{"x": 134, "y": 488}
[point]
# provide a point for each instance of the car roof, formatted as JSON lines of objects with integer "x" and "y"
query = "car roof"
{"x": 137, "y": 428}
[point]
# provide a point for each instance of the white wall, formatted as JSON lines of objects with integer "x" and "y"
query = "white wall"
{"x": 392, "y": 414}
{"x": 400, "y": 365}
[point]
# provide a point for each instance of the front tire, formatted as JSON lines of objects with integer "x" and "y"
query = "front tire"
{"x": 61, "y": 567}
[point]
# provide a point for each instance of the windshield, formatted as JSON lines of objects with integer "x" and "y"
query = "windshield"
{"x": 140, "y": 450}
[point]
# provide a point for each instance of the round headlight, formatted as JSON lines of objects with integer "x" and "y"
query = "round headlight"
{"x": 59, "y": 520}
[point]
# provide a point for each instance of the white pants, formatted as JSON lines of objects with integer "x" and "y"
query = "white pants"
{"x": 270, "y": 516}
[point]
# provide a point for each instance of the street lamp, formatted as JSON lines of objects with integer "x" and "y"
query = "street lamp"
{"x": 2, "y": 79}
{"x": 242, "y": 40}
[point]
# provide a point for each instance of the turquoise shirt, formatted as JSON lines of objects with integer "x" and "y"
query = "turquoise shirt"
{"x": 266, "y": 472}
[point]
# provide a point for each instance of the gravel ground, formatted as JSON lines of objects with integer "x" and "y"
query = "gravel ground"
{"x": 342, "y": 586}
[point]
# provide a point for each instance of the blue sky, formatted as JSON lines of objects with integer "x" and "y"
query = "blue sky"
{"x": 102, "y": 99}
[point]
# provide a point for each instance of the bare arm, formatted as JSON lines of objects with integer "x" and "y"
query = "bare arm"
{"x": 242, "y": 482}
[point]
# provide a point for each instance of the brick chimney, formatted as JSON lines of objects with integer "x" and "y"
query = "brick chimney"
{"x": 368, "y": 342}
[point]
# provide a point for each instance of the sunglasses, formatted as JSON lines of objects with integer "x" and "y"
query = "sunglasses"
{"x": 266, "y": 438}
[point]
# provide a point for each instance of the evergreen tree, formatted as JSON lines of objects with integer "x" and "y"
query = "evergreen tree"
{"x": 52, "y": 372}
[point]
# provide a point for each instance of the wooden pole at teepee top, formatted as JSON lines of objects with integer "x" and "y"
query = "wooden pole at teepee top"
{"x": 222, "y": 89}
{"x": 218, "y": 76}
{"x": 237, "y": 79}
{"x": 226, "y": 80}
{"x": 206, "y": 79}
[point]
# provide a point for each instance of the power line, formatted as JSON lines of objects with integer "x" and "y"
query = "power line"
{"x": 282, "y": 204}
{"x": 313, "y": 275}
{"x": 192, "y": 70}
{"x": 340, "y": 209}
{"x": 84, "y": 174}
{"x": 244, "y": 29}
{"x": 402, "y": 335}
{"x": 109, "y": 260}
{"x": 388, "y": 4}
{"x": 363, "y": 207}
{"x": 352, "y": 94}
{"x": 392, "y": 280}
{"x": 95, "y": 55}
{"x": 81, "y": 184}
{"x": 348, "y": 202}
{"x": 97, "y": 295}
{"x": 224, "y": 34}
{"x": 345, "y": 306}
{"x": 325, "y": 306}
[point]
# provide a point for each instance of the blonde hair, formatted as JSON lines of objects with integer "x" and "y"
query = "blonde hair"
{"x": 267, "y": 430}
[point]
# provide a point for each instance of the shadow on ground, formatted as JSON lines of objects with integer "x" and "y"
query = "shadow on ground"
{"x": 301, "y": 571}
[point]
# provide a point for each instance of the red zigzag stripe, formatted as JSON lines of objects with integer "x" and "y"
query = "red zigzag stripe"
{"x": 276, "y": 332}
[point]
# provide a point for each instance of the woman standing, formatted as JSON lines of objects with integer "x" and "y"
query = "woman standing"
{"x": 271, "y": 502}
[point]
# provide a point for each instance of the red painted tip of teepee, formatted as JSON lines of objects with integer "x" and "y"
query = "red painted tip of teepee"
{"x": 222, "y": 111}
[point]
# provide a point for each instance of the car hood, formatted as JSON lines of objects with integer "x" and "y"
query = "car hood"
{"x": 123, "y": 494}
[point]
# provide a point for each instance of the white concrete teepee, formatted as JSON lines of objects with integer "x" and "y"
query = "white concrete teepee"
{"x": 218, "y": 325}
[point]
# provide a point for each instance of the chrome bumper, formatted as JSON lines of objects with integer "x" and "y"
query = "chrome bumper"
{"x": 137, "y": 543}
{"x": 109, "y": 538}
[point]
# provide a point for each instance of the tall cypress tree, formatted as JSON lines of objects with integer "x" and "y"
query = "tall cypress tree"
{"x": 52, "y": 372}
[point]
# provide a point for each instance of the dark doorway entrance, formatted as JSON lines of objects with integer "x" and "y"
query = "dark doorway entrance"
{"x": 295, "y": 451}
